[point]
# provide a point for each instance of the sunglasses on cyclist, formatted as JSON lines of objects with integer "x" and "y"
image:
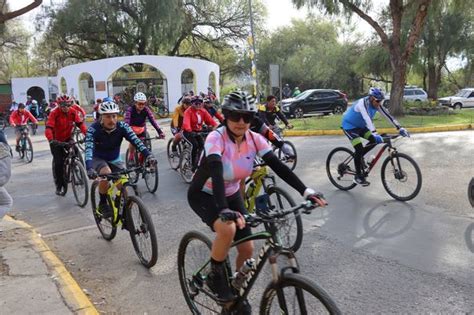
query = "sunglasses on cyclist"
{"x": 65, "y": 104}
{"x": 236, "y": 116}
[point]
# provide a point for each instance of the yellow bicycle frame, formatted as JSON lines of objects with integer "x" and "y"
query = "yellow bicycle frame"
{"x": 114, "y": 192}
{"x": 253, "y": 190}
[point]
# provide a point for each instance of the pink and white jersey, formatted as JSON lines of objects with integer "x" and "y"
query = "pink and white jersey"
{"x": 237, "y": 160}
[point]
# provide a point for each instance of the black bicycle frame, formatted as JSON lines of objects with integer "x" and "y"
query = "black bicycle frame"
{"x": 270, "y": 250}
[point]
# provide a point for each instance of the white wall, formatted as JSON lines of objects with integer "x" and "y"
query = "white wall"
{"x": 21, "y": 85}
{"x": 170, "y": 67}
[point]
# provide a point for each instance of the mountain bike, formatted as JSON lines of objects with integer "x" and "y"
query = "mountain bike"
{"x": 148, "y": 172}
{"x": 185, "y": 160}
{"x": 26, "y": 146}
{"x": 158, "y": 107}
{"x": 401, "y": 176}
{"x": 289, "y": 161}
{"x": 289, "y": 291}
{"x": 79, "y": 137}
{"x": 74, "y": 173}
{"x": 34, "y": 127}
{"x": 277, "y": 199}
{"x": 130, "y": 212}
{"x": 174, "y": 157}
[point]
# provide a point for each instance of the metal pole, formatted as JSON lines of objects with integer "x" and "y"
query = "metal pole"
{"x": 253, "y": 58}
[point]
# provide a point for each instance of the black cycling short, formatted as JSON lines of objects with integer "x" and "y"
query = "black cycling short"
{"x": 206, "y": 208}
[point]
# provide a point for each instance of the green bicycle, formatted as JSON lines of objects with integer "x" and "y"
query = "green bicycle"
{"x": 290, "y": 227}
{"x": 130, "y": 212}
{"x": 288, "y": 292}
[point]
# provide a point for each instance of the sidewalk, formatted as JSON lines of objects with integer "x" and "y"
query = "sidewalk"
{"x": 32, "y": 279}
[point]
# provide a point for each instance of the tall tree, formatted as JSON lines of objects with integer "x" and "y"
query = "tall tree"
{"x": 447, "y": 31}
{"x": 6, "y": 15}
{"x": 400, "y": 46}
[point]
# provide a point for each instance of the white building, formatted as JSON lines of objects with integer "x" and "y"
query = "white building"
{"x": 167, "y": 77}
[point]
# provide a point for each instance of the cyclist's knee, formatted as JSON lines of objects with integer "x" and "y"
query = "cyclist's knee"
{"x": 225, "y": 230}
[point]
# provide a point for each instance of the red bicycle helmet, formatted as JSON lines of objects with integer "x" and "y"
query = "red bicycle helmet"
{"x": 64, "y": 100}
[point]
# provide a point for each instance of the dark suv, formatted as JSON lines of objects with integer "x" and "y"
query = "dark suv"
{"x": 315, "y": 101}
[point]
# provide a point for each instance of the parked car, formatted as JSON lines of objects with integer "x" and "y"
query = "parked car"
{"x": 324, "y": 101}
{"x": 411, "y": 94}
{"x": 464, "y": 98}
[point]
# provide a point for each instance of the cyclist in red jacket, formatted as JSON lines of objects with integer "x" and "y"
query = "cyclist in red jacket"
{"x": 19, "y": 119}
{"x": 59, "y": 128}
{"x": 194, "y": 118}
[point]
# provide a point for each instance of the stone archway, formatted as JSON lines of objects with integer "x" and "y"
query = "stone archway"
{"x": 36, "y": 93}
{"x": 188, "y": 81}
{"x": 138, "y": 77}
{"x": 86, "y": 89}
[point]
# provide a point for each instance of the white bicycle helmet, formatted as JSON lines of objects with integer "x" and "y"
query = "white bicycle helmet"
{"x": 139, "y": 97}
{"x": 108, "y": 108}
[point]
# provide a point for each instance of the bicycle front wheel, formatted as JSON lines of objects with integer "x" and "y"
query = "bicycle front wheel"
{"x": 290, "y": 162}
{"x": 290, "y": 227}
{"x": 401, "y": 176}
{"x": 173, "y": 157}
{"x": 185, "y": 166}
{"x": 151, "y": 178}
{"x": 296, "y": 294}
{"x": 79, "y": 182}
{"x": 163, "y": 112}
{"x": 105, "y": 225}
{"x": 340, "y": 169}
{"x": 194, "y": 254}
{"x": 28, "y": 149}
{"x": 142, "y": 231}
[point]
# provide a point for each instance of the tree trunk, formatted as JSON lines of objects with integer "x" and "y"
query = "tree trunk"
{"x": 398, "y": 78}
{"x": 432, "y": 86}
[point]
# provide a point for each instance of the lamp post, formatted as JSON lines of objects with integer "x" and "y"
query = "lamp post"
{"x": 253, "y": 52}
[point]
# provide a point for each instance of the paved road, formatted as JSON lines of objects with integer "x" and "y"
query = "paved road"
{"x": 371, "y": 253}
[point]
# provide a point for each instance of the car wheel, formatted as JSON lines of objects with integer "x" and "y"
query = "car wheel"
{"x": 457, "y": 106}
{"x": 338, "y": 110}
{"x": 299, "y": 113}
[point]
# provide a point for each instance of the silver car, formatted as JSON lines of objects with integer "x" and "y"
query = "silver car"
{"x": 464, "y": 98}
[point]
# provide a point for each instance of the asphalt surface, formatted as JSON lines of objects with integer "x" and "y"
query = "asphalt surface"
{"x": 372, "y": 254}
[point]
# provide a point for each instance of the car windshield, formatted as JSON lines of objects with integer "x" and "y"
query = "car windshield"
{"x": 304, "y": 94}
{"x": 463, "y": 93}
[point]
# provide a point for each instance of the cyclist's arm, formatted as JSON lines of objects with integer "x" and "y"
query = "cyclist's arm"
{"x": 175, "y": 118}
{"x": 13, "y": 117}
{"x": 219, "y": 116}
{"x": 133, "y": 139}
{"x": 187, "y": 121}
{"x": 281, "y": 116}
{"x": 128, "y": 115}
{"x": 284, "y": 172}
{"x": 262, "y": 114}
{"x": 90, "y": 146}
{"x": 208, "y": 119}
{"x": 260, "y": 127}
{"x": 153, "y": 121}
{"x": 50, "y": 126}
{"x": 31, "y": 117}
{"x": 385, "y": 113}
{"x": 360, "y": 107}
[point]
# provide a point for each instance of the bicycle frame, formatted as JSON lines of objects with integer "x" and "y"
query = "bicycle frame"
{"x": 115, "y": 190}
{"x": 258, "y": 178}
{"x": 269, "y": 251}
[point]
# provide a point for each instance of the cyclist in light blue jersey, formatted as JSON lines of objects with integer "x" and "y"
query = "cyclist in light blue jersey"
{"x": 357, "y": 123}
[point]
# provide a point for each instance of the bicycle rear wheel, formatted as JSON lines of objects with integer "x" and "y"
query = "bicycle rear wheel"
{"x": 79, "y": 182}
{"x": 290, "y": 227}
{"x": 339, "y": 168}
{"x": 194, "y": 254}
{"x": 185, "y": 166}
{"x": 106, "y": 226}
{"x": 296, "y": 294}
{"x": 173, "y": 157}
{"x": 142, "y": 231}
{"x": 401, "y": 177}
{"x": 28, "y": 149}
{"x": 151, "y": 178}
{"x": 291, "y": 163}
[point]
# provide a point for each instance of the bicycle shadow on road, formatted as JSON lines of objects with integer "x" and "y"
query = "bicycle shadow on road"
{"x": 388, "y": 219}
{"x": 469, "y": 236}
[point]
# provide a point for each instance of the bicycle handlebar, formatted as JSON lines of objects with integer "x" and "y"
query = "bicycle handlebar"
{"x": 254, "y": 220}
{"x": 117, "y": 175}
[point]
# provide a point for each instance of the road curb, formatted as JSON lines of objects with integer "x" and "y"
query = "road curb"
{"x": 72, "y": 294}
{"x": 300, "y": 133}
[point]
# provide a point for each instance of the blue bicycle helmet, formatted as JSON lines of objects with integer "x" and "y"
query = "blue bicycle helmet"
{"x": 376, "y": 93}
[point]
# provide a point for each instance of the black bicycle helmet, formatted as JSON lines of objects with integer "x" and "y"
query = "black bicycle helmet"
{"x": 239, "y": 101}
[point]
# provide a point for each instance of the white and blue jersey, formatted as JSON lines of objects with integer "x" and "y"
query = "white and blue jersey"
{"x": 361, "y": 113}
{"x": 105, "y": 145}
